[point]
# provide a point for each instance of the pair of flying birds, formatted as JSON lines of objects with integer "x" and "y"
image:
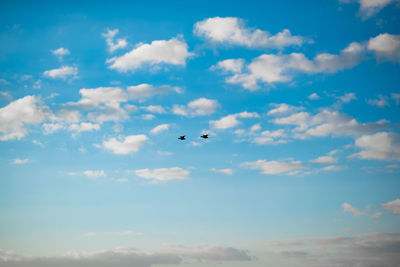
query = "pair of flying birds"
{"x": 204, "y": 136}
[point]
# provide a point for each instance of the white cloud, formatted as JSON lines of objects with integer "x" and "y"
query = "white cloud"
{"x": 273, "y": 68}
{"x": 326, "y": 122}
{"x": 83, "y": 127}
{"x": 369, "y": 8}
{"x": 171, "y": 52}
{"x": 105, "y": 101}
{"x": 199, "y": 107}
{"x": 125, "y": 145}
{"x": 94, "y": 174}
{"x": 381, "y": 102}
{"x": 325, "y": 160}
{"x": 223, "y": 171}
{"x": 143, "y": 91}
{"x": 392, "y": 206}
{"x": 112, "y": 44}
{"x": 270, "y": 137}
{"x": 231, "y": 121}
{"x": 356, "y": 212}
{"x": 18, "y": 114}
{"x": 60, "y": 52}
{"x": 154, "y": 109}
{"x": 49, "y": 128}
{"x": 275, "y": 167}
{"x": 62, "y": 73}
{"x": 160, "y": 128}
{"x": 230, "y": 65}
{"x": 347, "y": 98}
{"x": 163, "y": 174}
{"x": 386, "y": 47}
{"x": 381, "y": 146}
{"x": 148, "y": 116}
{"x": 232, "y": 31}
{"x": 282, "y": 109}
{"x": 313, "y": 96}
{"x": 21, "y": 161}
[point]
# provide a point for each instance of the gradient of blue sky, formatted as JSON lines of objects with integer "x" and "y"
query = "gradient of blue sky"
{"x": 281, "y": 164}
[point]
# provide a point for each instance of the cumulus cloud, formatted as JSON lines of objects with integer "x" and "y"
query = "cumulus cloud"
{"x": 230, "y": 65}
{"x": 369, "y": 8}
{"x": 160, "y": 128}
{"x": 163, "y": 174}
{"x": 233, "y": 31}
{"x": 143, "y": 91}
{"x": 112, "y": 44}
{"x": 326, "y": 122}
{"x": 328, "y": 159}
{"x": 18, "y": 114}
{"x": 62, "y": 73}
{"x": 223, "y": 171}
{"x": 356, "y": 212}
{"x": 273, "y": 68}
{"x": 270, "y": 137}
{"x": 199, "y": 107}
{"x": 385, "y": 47}
{"x": 276, "y": 167}
{"x": 381, "y": 146}
{"x": 125, "y": 145}
{"x": 231, "y": 121}
{"x": 170, "y": 52}
{"x": 392, "y": 206}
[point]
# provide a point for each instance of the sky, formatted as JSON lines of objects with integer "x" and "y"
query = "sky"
{"x": 300, "y": 100}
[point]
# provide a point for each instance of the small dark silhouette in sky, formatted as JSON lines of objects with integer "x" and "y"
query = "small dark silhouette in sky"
{"x": 205, "y": 136}
{"x": 182, "y": 137}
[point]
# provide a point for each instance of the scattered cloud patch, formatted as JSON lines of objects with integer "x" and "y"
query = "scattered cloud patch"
{"x": 392, "y": 206}
{"x": 369, "y": 8}
{"x": 60, "y": 52}
{"x": 143, "y": 91}
{"x": 125, "y": 145}
{"x": 223, "y": 171}
{"x": 381, "y": 102}
{"x": 276, "y": 167}
{"x": 199, "y": 107}
{"x": 313, "y": 96}
{"x": 233, "y": 31}
{"x": 163, "y": 174}
{"x": 231, "y": 121}
{"x": 19, "y": 161}
{"x": 14, "y": 117}
{"x": 160, "y": 128}
{"x": 380, "y": 146}
{"x": 112, "y": 44}
{"x": 62, "y": 73}
{"x": 385, "y": 47}
{"x": 160, "y": 52}
{"x": 94, "y": 174}
{"x": 356, "y": 212}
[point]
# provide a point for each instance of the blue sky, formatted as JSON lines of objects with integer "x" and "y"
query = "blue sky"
{"x": 301, "y": 102}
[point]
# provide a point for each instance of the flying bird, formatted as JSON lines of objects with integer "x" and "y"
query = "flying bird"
{"x": 182, "y": 137}
{"x": 205, "y": 136}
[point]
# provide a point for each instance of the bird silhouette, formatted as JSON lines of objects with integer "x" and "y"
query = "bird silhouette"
{"x": 205, "y": 136}
{"x": 182, "y": 137}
